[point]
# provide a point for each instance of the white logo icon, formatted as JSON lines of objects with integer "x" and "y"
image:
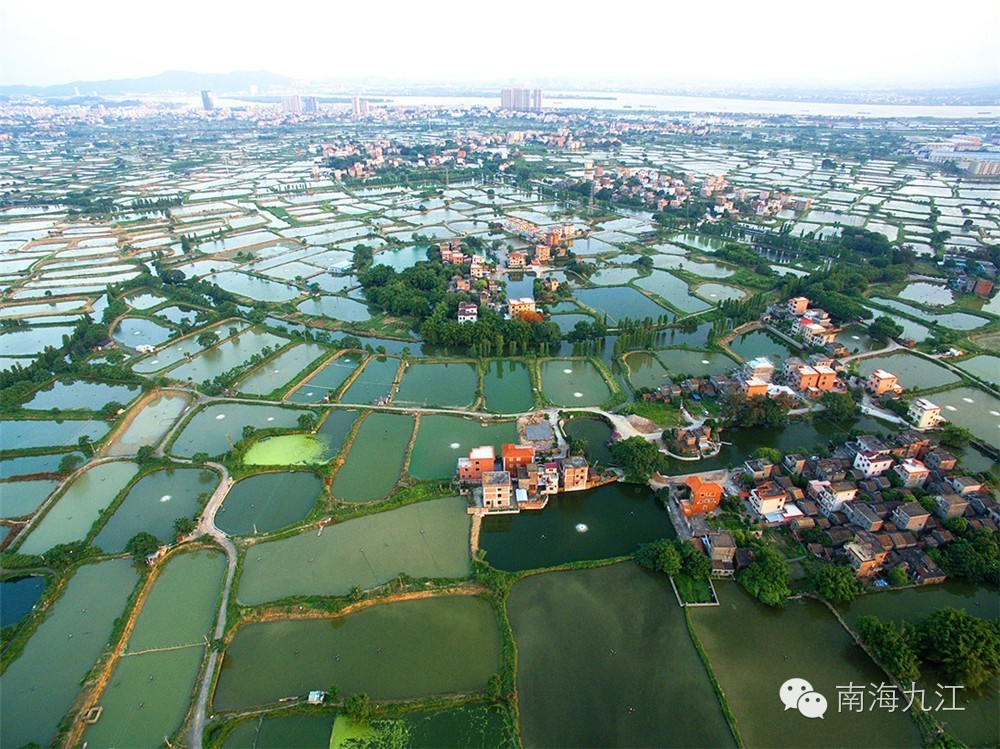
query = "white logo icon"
{"x": 798, "y": 693}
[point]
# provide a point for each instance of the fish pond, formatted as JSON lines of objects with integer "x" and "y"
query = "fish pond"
{"x": 153, "y": 504}
{"x": 267, "y": 502}
{"x": 152, "y": 685}
{"x": 507, "y": 386}
{"x": 149, "y": 425}
{"x": 398, "y": 650}
{"x": 39, "y": 687}
{"x": 595, "y": 433}
{"x": 18, "y": 597}
{"x": 373, "y": 382}
{"x": 440, "y": 385}
{"x": 375, "y": 458}
{"x": 279, "y": 371}
{"x": 802, "y": 640}
{"x": 75, "y": 511}
{"x": 573, "y": 382}
{"x": 427, "y": 539}
{"x": 215, "y": 428}
{"x": 914, "y": 372}
{"x": 91, "y": 396}
{"x": 609, "y": 521}
{"x": 612, "y": 637}
{"x": 327, "y": 380}
{"x": 442, "y": 440}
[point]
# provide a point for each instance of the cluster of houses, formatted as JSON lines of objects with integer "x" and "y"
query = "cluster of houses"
{"x": 515, "y": 480}
{"x": 488, "y": 292}
{"x": 864, "y": 500}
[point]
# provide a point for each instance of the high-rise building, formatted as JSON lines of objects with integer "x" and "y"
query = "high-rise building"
{"x": 311, "y": 104}
{"x": 521, "y": 99}
{"x": 359, "y": 107}
{"x": 208, "y": 100}
{"x": 291, "y": 103}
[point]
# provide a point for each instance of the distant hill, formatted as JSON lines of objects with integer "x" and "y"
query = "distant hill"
{"x": 170, "y": 81}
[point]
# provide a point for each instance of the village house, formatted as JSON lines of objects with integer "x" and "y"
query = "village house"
{"x": 767, "y": 498}
{"x": 721, "y": 549}
{"x": 872, "y": 463}
{"x": 910, "y": 517}
{"x": 950, "y": 506}
{"x": 497, "y": 491}
{"x": 519, "y": 306}
{"x": 514, "y": 457}
{"x": 835, "y": 495}
{"x": 574, "y": 474}
{"x": 705, "y": 496}
{"x": 479, "y": 461}
{"x": 923, "y": 414}
{"x": 865, "y": 558}
{"x": 880, "y": 382}
{"x": 912, "y": 473}
{"x": 467, "y": 312}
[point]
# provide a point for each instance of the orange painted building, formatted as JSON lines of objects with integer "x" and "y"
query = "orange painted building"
{"x": 705, "y": 496}
{"x": 754, "y": 388}
{"x": 471, "y": 469}
{"x": 515, "y": 456}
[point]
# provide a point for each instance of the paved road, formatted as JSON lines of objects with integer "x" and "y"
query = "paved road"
{"x": 206, "y": 526}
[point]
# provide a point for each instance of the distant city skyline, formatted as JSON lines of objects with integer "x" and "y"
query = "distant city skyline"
{"x": 852, "y": 43}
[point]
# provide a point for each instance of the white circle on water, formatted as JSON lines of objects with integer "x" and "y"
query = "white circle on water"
{"x": 856, "y": 337}
{"x": 270, "y": 418}
{"x": 968, "y": 400}
{"x": 155, "y": 361}
{"x": 581, "y": 528}
{"x": 577, "y": 395}
{"x": 705, "y": 361}
{"x": 220, "y": 417}
{"x": 166, "y": 498}
{"x": 994, "y": 413}
{"x": 567, "y": 371}
{"x": 951, "y": 408}
{"x": 454, "y": 445}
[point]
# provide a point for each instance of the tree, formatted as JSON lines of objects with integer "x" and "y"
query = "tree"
{"x": 358, "y": 708}
{"x": 248, "y": 431}
{"x": 662, "y": 556}
{"x": 839, "y": 406}
{"x": 883, "y": 328}
{"x": 305, "y": 422}
{"x": 110, "y": 410}
{"x": 974, "y": 558}
{"x": 332, "y": 693}
{"x": 693, "y": 562}
{"x": 740, "y": 411}
{"x": 68, "y": 464}
{"x": 965, "y": 648}
{"x": 145, "y": 454}
{"x": 141, "y": 545}
{"x": 638, "y": 457}
{"x": 766, "y": 579}
{"x": 953, "y": 435}
{"x": 182, "y": 527}
{"x": 768, "y": 453}
{"x": 897, "y": 577}
{"x": 200, "y": 457}
{"x": 208, "y": 338}
{"x": 836, "y": 584}
{"x": 890, "y": 647}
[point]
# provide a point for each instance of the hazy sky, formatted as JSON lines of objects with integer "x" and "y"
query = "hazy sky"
{"x": 732, "y": 41}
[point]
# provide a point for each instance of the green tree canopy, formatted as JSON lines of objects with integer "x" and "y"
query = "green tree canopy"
{"x": 638, "y": 457}
{"x": 890, "y": 647}
{"x": 767, "y": 578}
{"x": 965, "y": 648}
{"x": 836, "y": 584}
